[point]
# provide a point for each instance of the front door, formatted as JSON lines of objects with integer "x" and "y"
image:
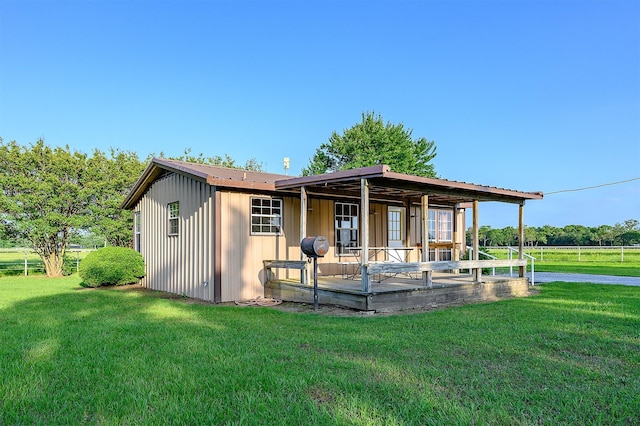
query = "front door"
{"x": 396, "y": 233}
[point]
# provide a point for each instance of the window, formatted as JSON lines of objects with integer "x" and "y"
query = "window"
{"x": 440, "y": 228}
{"x": 445, "y": 225}
{"x": 431, "y": 222}
{"x": 174, "y": 215}
{"x": 266, "y": 216}
{"x": 443, "y": 254}
{"x": 136, "y": 231}
{"x": 394, "y": 217}
{"x": 440, "y": 223}
{"x": 346, "y": 227}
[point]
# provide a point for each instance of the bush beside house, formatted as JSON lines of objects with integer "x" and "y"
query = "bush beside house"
{"x": 112, "y": 266}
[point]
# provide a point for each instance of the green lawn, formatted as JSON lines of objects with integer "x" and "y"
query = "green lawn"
{"x": 69, "y": 355}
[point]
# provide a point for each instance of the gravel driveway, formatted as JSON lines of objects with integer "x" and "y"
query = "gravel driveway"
{"x": 545, "y": 277}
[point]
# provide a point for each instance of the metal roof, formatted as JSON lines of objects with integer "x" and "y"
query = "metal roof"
{"x": 384, "y": 185}
{"x": 223, "y": 177}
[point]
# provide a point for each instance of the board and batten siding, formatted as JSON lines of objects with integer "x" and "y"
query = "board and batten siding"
{"x": 183, "y": 263}
{"x": 243, "y": 253}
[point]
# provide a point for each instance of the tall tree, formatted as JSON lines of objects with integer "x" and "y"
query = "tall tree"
{"x": 45, "y": 195}
{"x": 112, "y": 177}
{"x": 372, "y": 142}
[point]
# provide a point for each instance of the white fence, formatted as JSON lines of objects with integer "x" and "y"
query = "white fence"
{"x": 577, "y": 253}
{"x": 26, "y": 262}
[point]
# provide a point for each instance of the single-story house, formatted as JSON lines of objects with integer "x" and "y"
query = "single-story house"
{"x": 222, "y": 234}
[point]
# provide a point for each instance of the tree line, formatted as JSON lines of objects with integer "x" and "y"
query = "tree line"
{"x": 52, "y": 197}
{"x": 621, "y": 234}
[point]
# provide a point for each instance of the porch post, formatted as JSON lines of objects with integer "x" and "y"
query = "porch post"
{"x": 454, "y": 250}
{"x": 303, "y": 229}
{"x": 521, "y": 238}
{"x": 364, "y": 233}
{"x": 407, "y": 222}
{"x": 427, "y": 277}
{"x": 477, "y": 272}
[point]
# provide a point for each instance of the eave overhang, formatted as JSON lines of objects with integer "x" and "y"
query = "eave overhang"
{"x": 385, "y": 185}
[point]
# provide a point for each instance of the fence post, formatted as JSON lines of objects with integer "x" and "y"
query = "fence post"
{"x": 621, "y": 253}
{"x": 25, "y": 263}
{"x": 578, "y": 253}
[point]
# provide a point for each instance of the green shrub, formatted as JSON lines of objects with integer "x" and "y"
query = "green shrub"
{"x": 112, "y": 265}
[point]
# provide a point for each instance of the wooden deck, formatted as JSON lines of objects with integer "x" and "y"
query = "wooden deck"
{"x": 399, "y": 292}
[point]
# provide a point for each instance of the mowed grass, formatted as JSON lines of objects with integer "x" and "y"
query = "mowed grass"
{"x": 68, "y": 355}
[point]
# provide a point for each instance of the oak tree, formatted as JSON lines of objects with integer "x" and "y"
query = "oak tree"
{"x": 372, "y": 142}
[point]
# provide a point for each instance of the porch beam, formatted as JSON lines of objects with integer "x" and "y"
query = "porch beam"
{"x": 521, "y": 238}
{"x": 364, "y": 233}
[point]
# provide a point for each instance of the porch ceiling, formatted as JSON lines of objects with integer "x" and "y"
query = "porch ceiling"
{"x": 388, "y": 186}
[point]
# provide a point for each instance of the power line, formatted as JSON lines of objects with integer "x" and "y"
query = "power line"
{"x": 592, "y": 187}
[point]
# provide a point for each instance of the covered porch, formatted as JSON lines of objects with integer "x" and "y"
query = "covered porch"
{"x": 417, "y": 278}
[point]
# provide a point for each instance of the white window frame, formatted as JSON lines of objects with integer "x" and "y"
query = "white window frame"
{"x": 346, "y": 225}
{"x": 440, "y": 225}
{"x": 395, "y": 225}
{"x": 136, "y": 231}
{"x": 173, "y": 214}
{"x": 266, "y": 216}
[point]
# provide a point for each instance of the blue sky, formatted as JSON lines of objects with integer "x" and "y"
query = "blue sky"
{"x": 534, "y": 96}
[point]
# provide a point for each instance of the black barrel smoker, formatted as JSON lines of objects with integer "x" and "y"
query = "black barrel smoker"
{"x": 313, "y": 248}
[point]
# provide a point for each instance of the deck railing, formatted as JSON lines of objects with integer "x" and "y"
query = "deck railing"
{"x": 513, "y": 250}
{"x": 487, "y": 255}
{"x": 427, "y": 268}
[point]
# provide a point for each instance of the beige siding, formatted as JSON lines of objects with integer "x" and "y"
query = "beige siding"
{"x": 180, "y": 264}
{"x": 243, "y": 253}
